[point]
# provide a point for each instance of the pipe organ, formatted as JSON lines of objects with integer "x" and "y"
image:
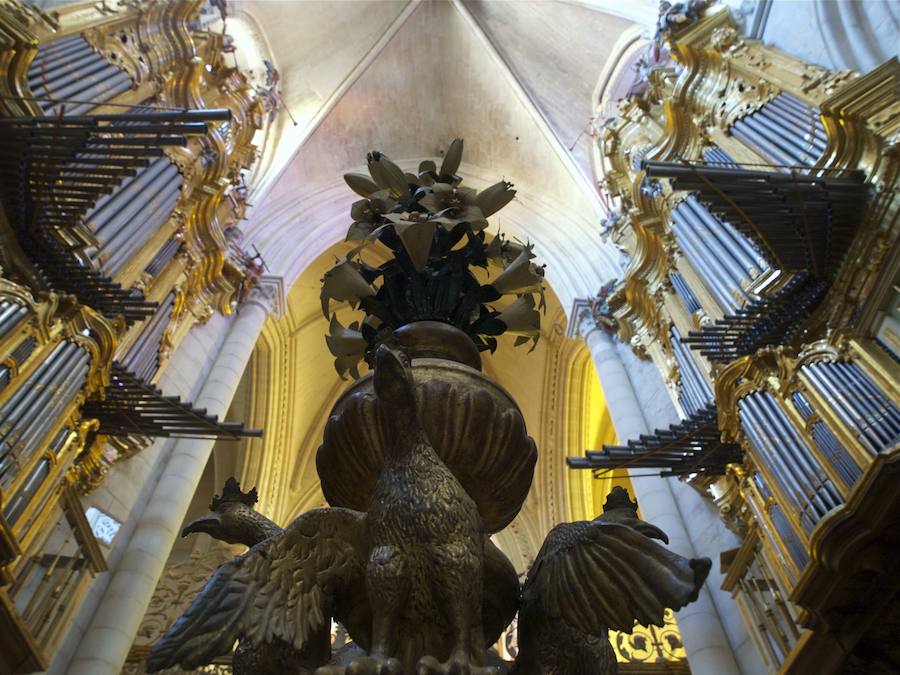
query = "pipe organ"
{"x": 124, "y": 135}
{"x": 760, "y": 205}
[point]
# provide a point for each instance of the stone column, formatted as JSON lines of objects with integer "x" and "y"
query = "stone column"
{"x": 707, "y": 647}
{"x": 106, "y": 643}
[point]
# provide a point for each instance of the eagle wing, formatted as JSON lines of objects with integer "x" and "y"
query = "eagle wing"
{"x": 599, "y": 575}
{"x": 281, "y": 588}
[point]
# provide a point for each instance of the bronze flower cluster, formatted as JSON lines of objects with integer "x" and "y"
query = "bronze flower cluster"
{"x": 435, "y": 229}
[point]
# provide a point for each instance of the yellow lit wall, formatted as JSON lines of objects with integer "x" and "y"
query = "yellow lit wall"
{"x": 589, "y": 427}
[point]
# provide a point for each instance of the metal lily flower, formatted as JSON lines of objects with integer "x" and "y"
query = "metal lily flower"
{"x": 436, "y": 231}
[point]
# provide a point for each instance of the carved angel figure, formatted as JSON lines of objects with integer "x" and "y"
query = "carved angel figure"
{"x": 417, "y": 583}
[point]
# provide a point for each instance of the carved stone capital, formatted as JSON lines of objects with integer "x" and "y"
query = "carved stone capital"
{"x": 269, "y": 294}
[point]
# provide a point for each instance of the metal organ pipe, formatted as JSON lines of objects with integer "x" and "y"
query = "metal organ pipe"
{"x": 786, "y": 130}
{"x": 730, "y": 254}
{"x": 162, "y": 257}
{"x": 142, "y": 357}
{"x": 688, "y": 396}
{"x": 22, "y": 415}
{"x": 70, "y": 68}
{"x": 702, "y": 260}
{"x": 747, "y": 134}
{"x": 801, "y": 111}
{"x": 807, "y": 126}
{"x": 783, "y": 138}
{"x": 856, "y": 396}
{"x": 112, "y": 205}
{"x": 52, "y": 409}
{"x": 782, "y": 525}
{"x": 88, "y": 63}
{"x": 89, "y": 87}
{"x": 846, "y": 467}
{"x": 819, "y": 491}
{"x": 36, "y": 405}
{"x": 124, "y": 220}
{"x": 11, "y": 314}
{"x": 10, "y": 415}
{"x": 718, "y": 254}
{"x": 718, "y": 156}
{"x": 883, "y": 409}
{"x": 135, "y": 232}
{"x": 874, "y": 417}
{"x": 693, "y": 383}
{"x": 752, "y": 424}
{"x": 750, "y": 260}
{"x": 61, "y": 45}
{"x": 824, "y": 488}
{"x": 848, "y": 414}
{"x": 688, "y": 299}
{"x": 14, "y": 508}
{"x": 57, "y": 57}
{"x": 158, "y": 212}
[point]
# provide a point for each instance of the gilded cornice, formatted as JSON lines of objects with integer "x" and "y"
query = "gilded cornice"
{"x": 42, "y": 312}
{"x": 751, "y": 60}
{"x": 99, "y": 336}
{"x": 19, "y": 42}
{"x": 118, "y": 41}
{"x": 833, "y": 348}
{"x": 210, "y": 166}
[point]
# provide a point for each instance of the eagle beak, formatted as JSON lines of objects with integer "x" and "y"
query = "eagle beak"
{"x": 207, "y": 523}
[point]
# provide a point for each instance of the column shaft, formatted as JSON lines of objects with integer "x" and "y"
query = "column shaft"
{"x": 106, "y": 643}
{"x": 708, "y": 650}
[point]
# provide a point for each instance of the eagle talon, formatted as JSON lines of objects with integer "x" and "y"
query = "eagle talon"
{"x": 364, "y": 665}
{"x": 428, "y": 665}
{"x": 371, "y": 665}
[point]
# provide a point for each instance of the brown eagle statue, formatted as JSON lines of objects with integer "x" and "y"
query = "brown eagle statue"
{"x": 415, "y": 579}
{"x": 232, "y": 519}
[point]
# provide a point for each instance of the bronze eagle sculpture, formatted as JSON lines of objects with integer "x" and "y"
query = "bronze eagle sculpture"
{"x": 232, "y": 519}
{"x": 419, "y": 585}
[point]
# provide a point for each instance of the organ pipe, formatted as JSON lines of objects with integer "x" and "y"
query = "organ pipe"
{"x": 11, "y": 314}
{"x": 702, "y": 261}
{"x": 698, "y": 394}
{"x": 794, "y": 169}
{"x": 85, "y": 196}
{"x": 785, "y": 130}
{"x": 783, "y": 528}
{"x": 69, "y": 68}
{"x": 142, "y": 358}
{"x": 162, "y": 257}
{"x": 684, "y": 292}
{"x": 831, "y": 448}
{"x": 860, "y": 404}
{"x": 723, "y": 257}
{"x": 28, "y": 414}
